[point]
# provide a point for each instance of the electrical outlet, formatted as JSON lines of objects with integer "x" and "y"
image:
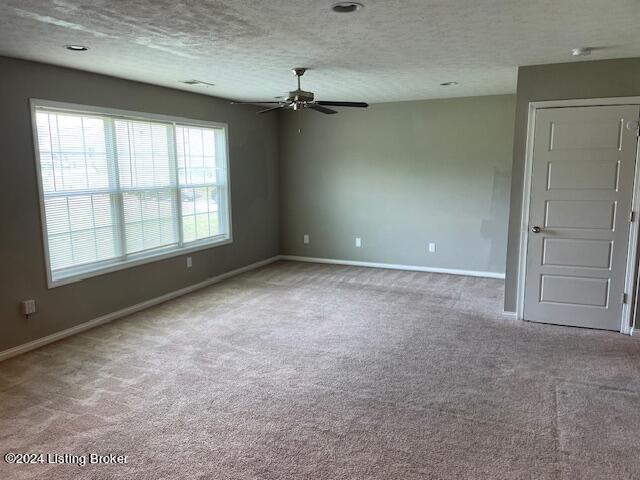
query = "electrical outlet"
{"x": 189, "y": 262}
{"x": 358, "y": 242}
{"x": 305, "y": 239}
{"x": 432, "y": 248}
{"x": 28, "y": 307}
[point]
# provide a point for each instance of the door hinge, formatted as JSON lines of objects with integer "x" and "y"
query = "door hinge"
{"x": 624, "y": 298}
{"x": 632, "y": 216}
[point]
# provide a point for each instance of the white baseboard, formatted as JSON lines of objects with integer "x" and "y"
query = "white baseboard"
{"x": 12, "y": 352}
{"x": 629, "y": 330}
{"x": 392, "y": 266}
{"x": 510, "y": 315}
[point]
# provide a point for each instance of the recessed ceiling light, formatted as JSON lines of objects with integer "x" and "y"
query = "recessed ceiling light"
{"x": 581, "y": 51}
{"x": 198, "y": 83}
{"x": 346, "y": 7}
{"x": 449, "y": 84}
{"x": 76, "y": 48}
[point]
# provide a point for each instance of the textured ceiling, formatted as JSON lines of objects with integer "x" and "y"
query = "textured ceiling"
{"x": 390, "y": 50}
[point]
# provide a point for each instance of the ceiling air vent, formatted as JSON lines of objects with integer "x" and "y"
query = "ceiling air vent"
{"x": 198, "y": 83}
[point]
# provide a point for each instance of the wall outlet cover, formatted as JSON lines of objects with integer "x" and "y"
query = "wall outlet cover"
{"x": 28, "y": 307}
{"x": 189, "y": 262}
{"x": 432, "y": 248}
{"x": 358, "y": 242}
{"x": 305, "y": 239}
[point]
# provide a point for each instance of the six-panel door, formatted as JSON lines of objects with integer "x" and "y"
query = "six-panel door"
{"x": 581, "y": 193}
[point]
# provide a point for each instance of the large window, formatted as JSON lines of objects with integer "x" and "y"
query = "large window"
{"x": 121, "y": 188}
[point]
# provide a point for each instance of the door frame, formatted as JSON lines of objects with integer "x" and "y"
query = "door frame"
{"x": 634, "y": 228}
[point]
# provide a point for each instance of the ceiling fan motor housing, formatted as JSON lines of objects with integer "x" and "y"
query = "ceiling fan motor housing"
{"x": 299, "y": 98}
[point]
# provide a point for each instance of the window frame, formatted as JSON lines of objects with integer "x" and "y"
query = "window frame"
{"x": 134, "y": 259}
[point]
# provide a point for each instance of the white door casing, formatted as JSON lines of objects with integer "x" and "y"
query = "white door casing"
{"x": 583, "y": 164}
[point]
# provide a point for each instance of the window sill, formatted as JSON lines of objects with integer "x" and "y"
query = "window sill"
{"x": 134, "y": 262}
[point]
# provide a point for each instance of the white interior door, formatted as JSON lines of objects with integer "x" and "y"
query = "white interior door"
{"x": 581, "y": 196}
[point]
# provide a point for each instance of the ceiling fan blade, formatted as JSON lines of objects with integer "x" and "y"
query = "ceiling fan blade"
{"x": 344, "y": 104}
{"x": 321, "y": 109}
{"x": 272, "y": 109}
{"x": 251, "y": 103}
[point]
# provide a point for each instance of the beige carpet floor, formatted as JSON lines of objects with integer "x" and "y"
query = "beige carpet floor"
{"x": 300, "y": 371}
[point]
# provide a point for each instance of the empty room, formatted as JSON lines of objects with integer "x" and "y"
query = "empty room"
{"x": 301, "y": 239}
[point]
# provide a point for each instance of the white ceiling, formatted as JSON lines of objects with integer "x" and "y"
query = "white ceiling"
{"x": 390, "y": 50}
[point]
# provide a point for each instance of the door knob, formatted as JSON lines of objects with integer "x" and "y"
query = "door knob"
{"x": 536, "y": 229}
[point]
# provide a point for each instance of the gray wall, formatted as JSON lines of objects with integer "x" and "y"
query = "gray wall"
{"x": 400, "y": 175}
{"x": 254, "y": 176}
{"x": 600, "y": 79}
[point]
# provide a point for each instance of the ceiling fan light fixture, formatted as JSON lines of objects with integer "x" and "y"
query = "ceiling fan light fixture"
{"x": 346, "y": 7}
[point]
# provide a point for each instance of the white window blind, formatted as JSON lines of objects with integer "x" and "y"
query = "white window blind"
{"x": 117, "y": 190}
